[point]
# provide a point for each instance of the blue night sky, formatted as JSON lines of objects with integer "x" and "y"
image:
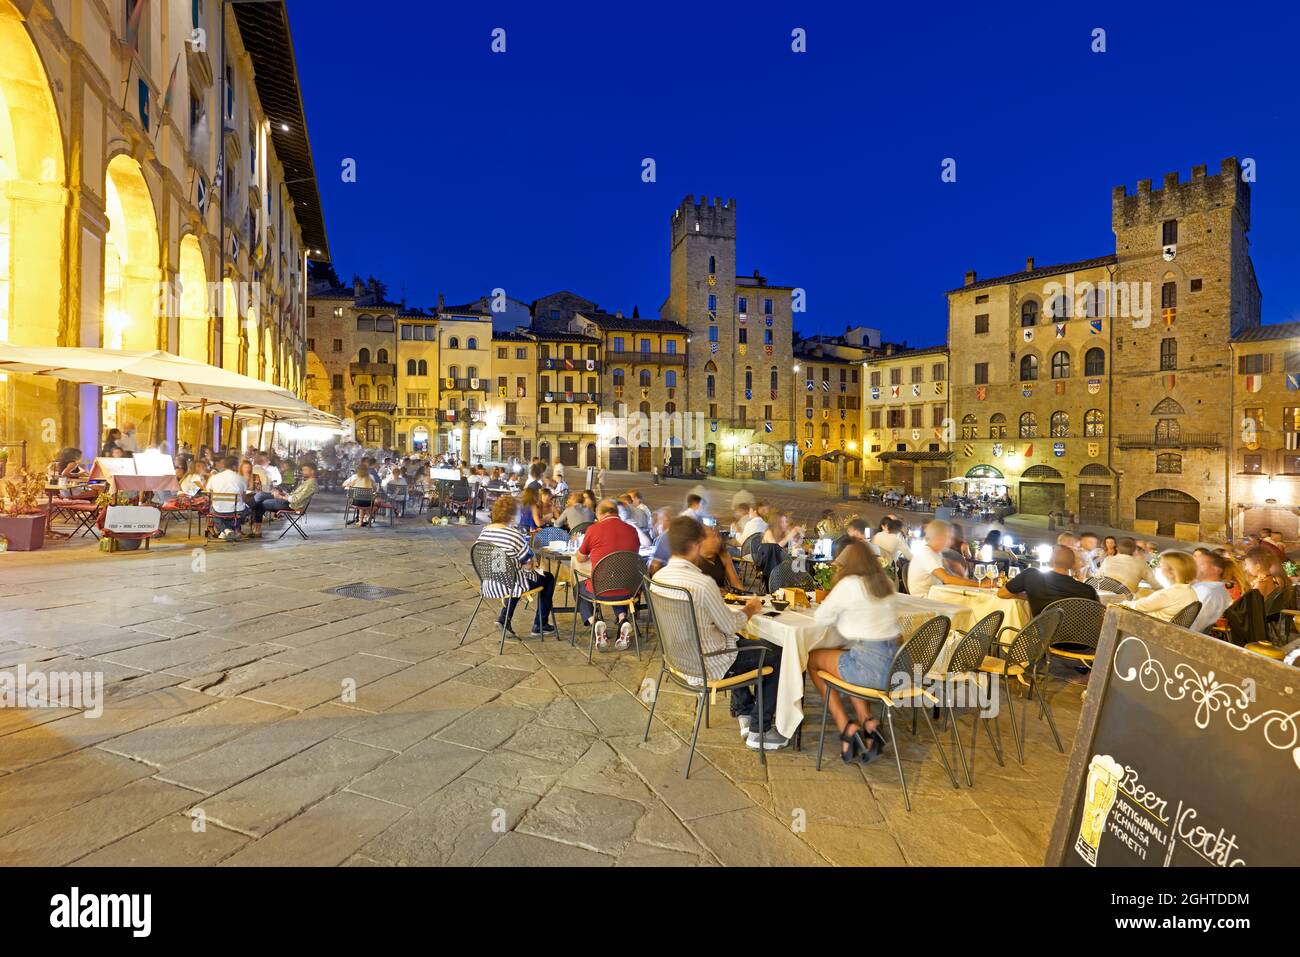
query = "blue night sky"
{"x": 523, "y": 170}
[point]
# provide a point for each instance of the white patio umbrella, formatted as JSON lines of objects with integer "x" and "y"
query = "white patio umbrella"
{"x": 154, "y": 374}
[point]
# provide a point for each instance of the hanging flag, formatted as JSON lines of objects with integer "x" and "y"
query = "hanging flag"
{"x": 201, "y": 199}
{"x": 997, "y": 450}
{"x": 1254, "y": 383}
{"x": 1029, "y": 335}
{"x": 131, "y": 37}
{"x": 810, "y": 385}
{"x": 875, "y": 392}
{"x": 1293, "y": 381}
{"x": 1094, "y": 386}
{"x": 742, "y": 349}
{"x": 916, "y": 435}
{"x": 893, "y": 392}
{"x": 826, "y": 385}
{"x": 938, "y": 388}
{"x": 1094, "y": 449}
{"x": 968, "y": 450}
{"x": 713, "y": 347}
{"x": 591, "y": 365}
{"x": 167, "y": 95}
{"x": 749, "y": 393}
{"x": 451, "y": 383}
{"x": 767, "y": 426}
{"x": 809, "y": 412}
{"x": 774, "y": 393}
{"x": 1170, "y": 381}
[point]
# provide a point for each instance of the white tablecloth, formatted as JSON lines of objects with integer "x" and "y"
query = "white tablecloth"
{"x": 985, "y": 601}
{"x": 797, "y": 633}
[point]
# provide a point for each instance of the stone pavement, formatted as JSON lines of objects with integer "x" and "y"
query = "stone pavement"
{"x": 231, "y": 734}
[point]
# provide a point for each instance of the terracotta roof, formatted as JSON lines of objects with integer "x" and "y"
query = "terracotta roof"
{"x": 611, "y": 322}
{"x": 1266, "y": 333}
{"x": 1039, "y": 272}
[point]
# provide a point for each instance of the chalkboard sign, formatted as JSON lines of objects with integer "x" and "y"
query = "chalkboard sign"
{"x": 1187, "y": 754}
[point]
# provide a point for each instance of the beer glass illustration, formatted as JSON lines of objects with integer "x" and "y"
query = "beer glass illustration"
{"x": 1104, "y": 774}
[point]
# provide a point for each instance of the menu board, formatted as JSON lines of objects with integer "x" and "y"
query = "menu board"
{"x": 1187, "y": 754}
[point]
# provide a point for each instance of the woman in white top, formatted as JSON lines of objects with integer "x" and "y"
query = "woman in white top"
{"x": 861, "y": 609}
{"x": 1179, "y": 570}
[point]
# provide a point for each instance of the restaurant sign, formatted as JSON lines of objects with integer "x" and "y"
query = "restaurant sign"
{"x": 131, "y": 519}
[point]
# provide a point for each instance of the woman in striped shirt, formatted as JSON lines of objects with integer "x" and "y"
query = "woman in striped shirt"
{"x": 503, "y": 534}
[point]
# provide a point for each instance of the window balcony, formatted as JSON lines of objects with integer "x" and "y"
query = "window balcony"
{"x": 372, "y": 369}
{"x": 561, "y": 364}
{"x": 646, "y": 358}
{"x": 1186, "y": 440}
{"x": 371, "y": 406}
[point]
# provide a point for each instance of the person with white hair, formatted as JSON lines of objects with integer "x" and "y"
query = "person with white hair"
{"x": 927, "y": 566}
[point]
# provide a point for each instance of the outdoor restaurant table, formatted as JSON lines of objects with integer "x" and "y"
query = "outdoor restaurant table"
{"x": 797, "y": 633}
{"x": 984, "y": 601}
{"x": 143, "y": 483}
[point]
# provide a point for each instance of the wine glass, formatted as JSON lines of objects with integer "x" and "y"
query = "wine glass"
{"x": 981, "y": 572}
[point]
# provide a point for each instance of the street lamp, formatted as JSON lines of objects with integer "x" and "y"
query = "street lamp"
{"x": 794, "y": 431}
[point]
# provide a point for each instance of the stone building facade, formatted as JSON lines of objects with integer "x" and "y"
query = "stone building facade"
{"x": 568, "y": 374}
{"x": 907, "y": 419}
{"x": 115, "y": 230}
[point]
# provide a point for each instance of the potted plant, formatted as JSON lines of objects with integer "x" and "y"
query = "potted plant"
{"x": 22, "y": 523}
{"x": 823, "y": 576}
{"x": 4, "y": 461}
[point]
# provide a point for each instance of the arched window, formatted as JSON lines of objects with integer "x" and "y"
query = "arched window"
{"x": 471, "y": 372}
{"x": 808, "y": 431}
{"x": 1169, "y": 463}
{"x": 1028, "y": 426}
{"x": 422, "y": 368}
{"x": 382, "y": 357}
{"x": 997, "y": 426}
{"x": 645, "y": 408}
{"x": 365, "y": 323}
{"x": 1060, "y": 365}
{"x": 1094, "y": 361}
{"x": 453, "y": 372}
{"x": 1168, "y": 354}
{"x": 453, "y": 343}
{"x": 363, "y": 356}
{"x": 618, "y": 378}
{"x": 411, "y": 367}
{"x": 670, "y": 408}
{"x": 710, "y": 387}
{"x": 1060, "y": 425}
{"x": 1029, "y": 368}
{"x": 1029, "y": 313}
{"x": 713, "y": 264}
{"x": 776, "y": 382}
{"x": 1168, "y": 432}
{"x": 644, "y": 378}
{"x": 670, "y": 379}
{"x": 471, "y": 343}
{"x": 969, "y": 426}
{"x": 749, "y": 379}
{"x": 1094, "y": 423}
{"x": 826, "y": 432}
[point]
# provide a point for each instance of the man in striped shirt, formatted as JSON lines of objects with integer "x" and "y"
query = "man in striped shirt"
{"x": 717, "y": 626}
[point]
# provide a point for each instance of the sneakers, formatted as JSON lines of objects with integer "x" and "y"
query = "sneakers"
{"x": 602, "y": 636}
{"x": 769, "y": 740}
{"x": 624, "y": 640}
{"x": 229, "y": 535}
{"x": 744, "y": 725}
{"x": 547, "y": 629}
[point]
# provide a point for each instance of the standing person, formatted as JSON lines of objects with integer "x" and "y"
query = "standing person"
{"x": 1041, "y": 588}
{"x": 128, "y": 442}
{"x": 226, "y": 515}
{"x": 725, "y": 655}
{"x": 112, "y": 443}
{"x": 557, "y": 472}
{"x": 501, "y": 533}
{"x": 530, "y": 511}
{"x": 610, "y": 534}
{"x": 861, "y": 609}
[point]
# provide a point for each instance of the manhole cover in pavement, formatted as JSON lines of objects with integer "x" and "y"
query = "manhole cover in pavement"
{"x": 368, "y": 592}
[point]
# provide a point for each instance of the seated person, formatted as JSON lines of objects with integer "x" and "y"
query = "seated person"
{"x": 717, "y": 625}
{"x": 575, "y": 513}
{"x": 278, "y": 499}
{"x": 862, "y": 611}
{"x": 1179, "y": 570}
{"x": 226, "y": 515}
{"x": 1126, "y": 567}
{"x": 364, "y": 497}
{"x": 890, "y": 541}
{"x": 928, "y": 567}
{"x": 608, "y": 535}
{"x": 716, "y": 563}
{"x": 504, "y": 534}
{"x": 1042, "y": 588}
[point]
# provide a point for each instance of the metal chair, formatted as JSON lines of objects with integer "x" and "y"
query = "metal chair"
{"x": 500, "y": 578}
{"x": 579, "y": 530}
{"x": 902, "y": 564}
{"x": 293, "y": 518}
{"x": 615, "y": 582}
{"x": 913, "y": 661}
{"x": 964, "y": 667}
{"x": 463, "y": 498}
{"x": 784, "y": 576}
{"x": 359, "y": 499}
{"x": 1021, "y": 659}
{"x": 748, "y": 567}
{"x": 1114, "y": 586}
{"x": 1186, "y": 615}
{"x": 1075, "y": 638}
{"x": 234, "y": 500}
{"x": 684, "y": 659}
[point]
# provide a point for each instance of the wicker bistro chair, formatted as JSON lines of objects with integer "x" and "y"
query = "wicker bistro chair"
{"x": 579, "y": 530}
{"x": 1186, "y": 615}
{"x": 1021, "y": 659}
{"x": 964, "y": 669}
{"x": 500, "y": 577}
{"x": 549, "y": 535}
{"x": 746, "y": 565}
{"x": 784, "y": 576}
{"x": 1112, "y": 585}
{"x": 615, "y": 582}
{"x": 902, "y": 565}
{"x": 357, "y": 499}
{"x": 1075, "y": 638}
{"x": 684, "y": 659}
{"x": 913, "y": 661}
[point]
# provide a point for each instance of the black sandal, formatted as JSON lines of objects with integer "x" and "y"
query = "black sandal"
{"x": 853, "y": 740}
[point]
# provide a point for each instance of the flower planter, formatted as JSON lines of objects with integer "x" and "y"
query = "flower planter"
{"x": 24, "y": 533}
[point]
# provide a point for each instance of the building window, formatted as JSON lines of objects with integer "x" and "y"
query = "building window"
{"x": 1256, "y": 364}
{"x": 336, "y": 381}
{"x": 1029, "y": 313}
{"x": 1059, "y": 308}
{"x": 1169, "y": 232}
{"x": 749, "y": 379}
{"x": 1060, "y": 425}
{"x": 363, "y": 356}
{"x": 670, "y": 379}
{"x": 1168, "y": 354}
{"x": 713, "y": 264}
{"x": 713, "y": 304}
{"x": 617, "y": 376}
{"x": 742, "y": 335}
{"x": 896, "y": 376}
{"x": 1168, "y": 432}
{"x": 1169, "y": 463}
{"x": 1252, "y": 463}
{"x": 1094, "y": 362}
{"x": 410, "y": 367}
{"x": 644, "y": 378}
{"x": 502, "y": 352}
{"x": 916, "y": 417}
{"x": 1029, "y": 368}
{"x": 997, "y": 426}
{"x": 981, "y": 324}
{"x": 969, "y": 427}
{"x": 382, "y": 357}
{"x": 917, "y": 375}
{"x": 336, "y": 345}
{"x": 1060, "y": 365}
{"x": 710, "y": 388}
{"x": 742, "y": 305}
{"x": 981, "y": 373}
{"x": 1094, "y": 423}
{"x": 1195, "y": 285}
{"x": 767, "y": 307}
{"x": 1028, "y": 425}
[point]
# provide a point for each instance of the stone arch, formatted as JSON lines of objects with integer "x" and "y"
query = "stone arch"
{"x": 192, "y": 300}
{"x": 131, "y": 258}
{"x": 1167, "y": 406}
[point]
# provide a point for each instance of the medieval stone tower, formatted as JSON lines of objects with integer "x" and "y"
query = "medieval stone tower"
{"x": 1185, "y": 247}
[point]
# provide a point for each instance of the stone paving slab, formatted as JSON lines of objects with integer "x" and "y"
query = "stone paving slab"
{"x": 313, "y": 729}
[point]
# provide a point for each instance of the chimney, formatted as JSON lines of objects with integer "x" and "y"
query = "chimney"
{"x": 1029, "y": 264}
{"x": 970, "y": 277}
